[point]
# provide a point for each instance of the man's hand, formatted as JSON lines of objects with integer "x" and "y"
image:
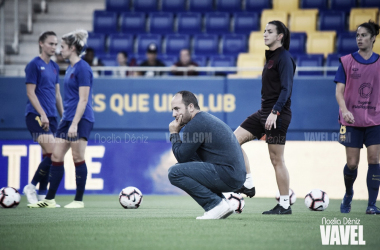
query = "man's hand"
{"x": 271, "y": 121}
{"x": 175, "y": 126}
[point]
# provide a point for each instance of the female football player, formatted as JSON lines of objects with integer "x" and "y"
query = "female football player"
{"x": 44, "y": 99}
{"x": 77, "y": 121}
{"x": 273, "y": 119}
{"x": 358, "y": 95}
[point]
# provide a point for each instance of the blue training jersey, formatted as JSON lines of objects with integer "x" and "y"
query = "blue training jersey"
{"x": 45, "y": 77}
{"x": 340, "y": 75}
{"x": 77, "y": 76}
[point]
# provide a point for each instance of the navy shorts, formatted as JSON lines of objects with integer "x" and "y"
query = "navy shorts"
{"x": 33, "y": 124}
{"x": 255, "y": 124}
{"x": 84, "y": 130}
{"x": 355, "y": 137}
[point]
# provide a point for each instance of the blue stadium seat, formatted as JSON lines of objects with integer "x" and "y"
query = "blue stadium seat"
{"x": 121, "y": 42}
{"x": 369, "y": 3}
{"x": 200, "y": 60}
{"x": 245, "y": 23}
{"x": 229, "y": 5}
{"x": 257, "y": 5}
{"x": 310, "y": 61}
{"x": 174, "y": 44}
{"x": 347, "y": 43}
{"x": 161, "y": 23}
{"x": 140, "y": 59}
{"x": 332, "y": 61}
{"x": 332, "y": 20}
{"x": 174, "y": 5}
{"x": 117, "y": 5}
{"x": 297, "y": 43}
{"x": 168, "y": 60}
{"x": 144, "y": 40}
{"x": 145, "y": 5}
{"x": 343, "y": 5}
{"x": 314, "y": 4}
{"x": 201, "y": 5}
{"x": 189, "y": 23}
{"x": 105, "y": 22}
{"x": 234, "y": 44}
{"x": 96, "y": 42}
{"x": 217, "y": 23}
{"x": 206, "y": 45}
{"x": 133, "y": 23}
{"x": 223, "y": 61}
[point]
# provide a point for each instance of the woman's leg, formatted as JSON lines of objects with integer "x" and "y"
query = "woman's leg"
{"x": 244, "y": 136}
{"x": 373, "y": 178}
{"x": 78, "y": 149}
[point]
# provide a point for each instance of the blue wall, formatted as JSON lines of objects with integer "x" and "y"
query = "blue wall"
{"x": 143, "y": 105}
{"x": 129, "y": 145}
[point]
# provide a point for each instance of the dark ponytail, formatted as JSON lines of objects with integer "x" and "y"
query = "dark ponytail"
{"x": 281, "y": 28}
{"x": 43, "y": 37}
{"x": 372, "y": 27}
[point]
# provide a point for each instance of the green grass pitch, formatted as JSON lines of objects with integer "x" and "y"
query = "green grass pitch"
{"x": 168, "y": 222}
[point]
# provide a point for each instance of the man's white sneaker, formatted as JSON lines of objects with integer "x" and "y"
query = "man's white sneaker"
{"x": 42, "y": 197}
{"x": 30, "y": 193}
{"x": 75, "y": 204}
{"x": 221, "y": 211}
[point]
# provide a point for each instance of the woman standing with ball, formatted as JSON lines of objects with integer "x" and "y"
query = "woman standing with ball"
{"x": 358, "y": 95}
{"x": 77, "y": 121}
{"x": 273, "y": 119}
{"x": 44, "y": 99}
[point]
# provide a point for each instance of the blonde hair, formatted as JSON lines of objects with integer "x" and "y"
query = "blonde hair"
{"x": 78, "y": 39}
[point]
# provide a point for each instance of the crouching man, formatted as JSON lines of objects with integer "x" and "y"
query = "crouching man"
{"x": 210, "y": 160}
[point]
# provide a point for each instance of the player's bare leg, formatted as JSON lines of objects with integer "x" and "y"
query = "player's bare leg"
{"x": 56, "y": 173}
{"x": 41, "y": 176}
{"x": 276, "y": 153}
{"x": 248, "y": 188}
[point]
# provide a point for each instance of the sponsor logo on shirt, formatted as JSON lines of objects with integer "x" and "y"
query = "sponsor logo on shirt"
{"x": 42, "y": 68}
{"x": 355, "y": 74}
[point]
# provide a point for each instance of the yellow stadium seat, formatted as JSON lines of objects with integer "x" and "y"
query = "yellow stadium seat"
{"x": 286, "y": 5}
{"x": 362, "y": 15}
{"x": 303, "y": 20}
{"x": 246, "y": 60}
{"x": 270, "y": 15}
{"x": 322, "y": 42}
{"x": 376, "y": 46}
{"x": 256, "y": 44}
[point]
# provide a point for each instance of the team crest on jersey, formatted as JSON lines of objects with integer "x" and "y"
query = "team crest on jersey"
{"x": 55, "y": 71}
{"x": 270, "y": 64}
{"x": 71, "y": 76}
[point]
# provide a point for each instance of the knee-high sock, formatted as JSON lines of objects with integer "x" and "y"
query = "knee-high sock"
{"x": 42, "y": 190}
{"x": 349, "y": 179}
{"x": 81, "y": 177}
{"x": 373, "y": 181}
{"x": 42, "y": 174}
{"x": 56, "y": 174}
